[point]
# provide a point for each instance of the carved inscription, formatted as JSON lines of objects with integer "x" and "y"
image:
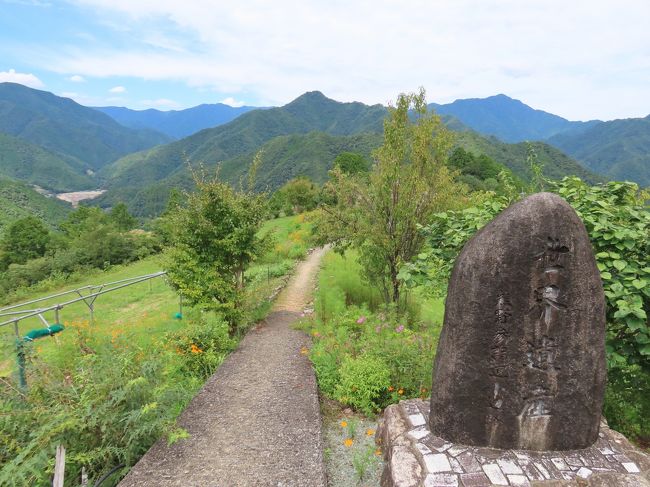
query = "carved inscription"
{"x": 499, "y": 364}
{"x": 542, "y": 350}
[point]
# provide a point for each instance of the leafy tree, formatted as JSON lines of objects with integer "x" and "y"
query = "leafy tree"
{"x": 84, "y": 219}
{"x": 214, "y": 239}
{"x": 121, "y": 218}
{"x": 352, "y": 163}
{"x": 24, "y": 239}
{"x": 409, "y": 182}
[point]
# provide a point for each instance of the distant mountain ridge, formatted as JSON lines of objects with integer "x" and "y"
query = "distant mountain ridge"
{"x": 300, "y": 138}
{"x": 618, "y": 149}
{"x": 176, "y": 123}
{"x": 76, "y": 133}
{"x": 508, "y": 119}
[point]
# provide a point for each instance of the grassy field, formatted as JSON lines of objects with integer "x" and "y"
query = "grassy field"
{"x": 137, "y": 314}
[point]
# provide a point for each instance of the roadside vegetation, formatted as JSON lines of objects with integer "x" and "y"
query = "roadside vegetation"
{"x": 379, "y": 306}
{"x": 108, "y": 389}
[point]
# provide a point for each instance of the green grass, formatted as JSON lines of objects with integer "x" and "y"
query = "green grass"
{"x": 341, "y": 284}
{"x": 137, "y": 314}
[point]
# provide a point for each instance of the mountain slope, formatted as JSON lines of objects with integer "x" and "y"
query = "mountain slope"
{"x": 555, "y": 164}
{"x": 176, "y": 123}
{"x": 508, "y": 119}
{"x": 309, "y": 112}
{"x": 27, "y": 162}
{"x": 301, "y": 138}
{"x": 619, "y": 149}
{"x": 68, "y": 129}
{"x": 18, "y": 200}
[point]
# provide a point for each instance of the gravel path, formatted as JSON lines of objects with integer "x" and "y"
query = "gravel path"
{"x": 256, "y": 422}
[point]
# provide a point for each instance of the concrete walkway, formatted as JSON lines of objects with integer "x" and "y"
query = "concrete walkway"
{"x": 256, "y": 422}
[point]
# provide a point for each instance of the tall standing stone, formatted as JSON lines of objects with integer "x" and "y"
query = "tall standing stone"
{"x": 521, "y": 357}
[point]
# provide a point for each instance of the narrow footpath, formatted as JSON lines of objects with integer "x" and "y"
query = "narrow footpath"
{"x": 256, "y": 422}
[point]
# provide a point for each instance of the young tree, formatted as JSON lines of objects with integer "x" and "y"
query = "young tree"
{"x": 380, "y": 214}
{"x": 121, "y": 218}
{"x": 214, "y": 239}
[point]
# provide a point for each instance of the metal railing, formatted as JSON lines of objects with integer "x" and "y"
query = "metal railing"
{"x": 93, "y": 291}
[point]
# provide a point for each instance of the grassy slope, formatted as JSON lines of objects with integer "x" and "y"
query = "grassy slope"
{"x": 136, "y": 313}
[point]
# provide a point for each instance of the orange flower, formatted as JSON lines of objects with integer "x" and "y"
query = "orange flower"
{"x": 344, "y": 424}
{"x": 370, "y": 432}
{"x": 195, "y": 349}
{"x": 348, "y": 442}
{"x": 391, "y": 389}
{"x": 400, "y": 392}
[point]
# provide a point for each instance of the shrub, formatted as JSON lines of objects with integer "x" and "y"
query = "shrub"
{"x": 203, "y": 344}
{"x": 363, "y": 381}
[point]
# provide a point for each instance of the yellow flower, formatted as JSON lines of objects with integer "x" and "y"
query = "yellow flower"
{"x": 370, "y": 432}
{"x": 378, "y": 452}
{"x": 344, "y": 424}
{"x": 400, "y": 392}
{"x": 348, "y": 442}
{"x": 304, "y": 350}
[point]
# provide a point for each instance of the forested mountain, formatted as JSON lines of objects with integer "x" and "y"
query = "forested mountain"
{"x": 309, "y": 112}
{"x": 176, "y": 123}
{"x": 619, "y": 149}
{"x": 18, "y": 200}
{"x": 301, "y": 138}
{"x": 555, "y": 164}
{"x": 76, "y": 133}
{"x": 508, "y": 119}
{"x": 28, "y": 162}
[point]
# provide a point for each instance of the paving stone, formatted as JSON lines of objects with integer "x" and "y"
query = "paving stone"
{"x": 454, "y": 451}
{"x": 518, "y": 480}
{"x": 584, "y": 472}
{"x": 441, "y": 480}
{"x": 418, "y": 434}
{"x": 531, "y": 471}
{"x": 631, "y": 467}
{"x": 509, "y": 467}
{"x": 560, "y": 464}
{"x": 437, "y": 462}
{"x": 476, "y": 479}
{"x": 469, "y": 462}
{"x": 417, "y": 420}
{"x": 495, "y": 474}
{"x": 455, "y": 465}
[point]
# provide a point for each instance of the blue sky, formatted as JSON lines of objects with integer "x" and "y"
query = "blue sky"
{"x": 579, "y": 59}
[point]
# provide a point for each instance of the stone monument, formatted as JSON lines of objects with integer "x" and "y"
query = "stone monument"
{"x": 521, "y": 357}
{"x": 520, "y": 374}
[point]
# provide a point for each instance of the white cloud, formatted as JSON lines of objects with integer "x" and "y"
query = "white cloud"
{"x": 581, "y": 59}
{"x": 77, "y": 79}
{"x": 232, "y": 102}
{"x": 117, "y": 89}
{"x": 26, "y": 79}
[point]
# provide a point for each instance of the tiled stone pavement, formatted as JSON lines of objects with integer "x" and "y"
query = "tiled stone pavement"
{"x": 444, "y": 464}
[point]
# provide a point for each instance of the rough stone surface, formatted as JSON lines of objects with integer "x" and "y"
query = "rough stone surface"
{"x": 607, "y": 463}
{"x": 256, "y": 422}
{"x": 521, "y": 357}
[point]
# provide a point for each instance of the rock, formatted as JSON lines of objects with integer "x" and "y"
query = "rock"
{"x": 521, "y": 357}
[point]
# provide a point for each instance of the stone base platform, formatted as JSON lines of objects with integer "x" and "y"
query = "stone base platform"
{"x": 416, "y": 458}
